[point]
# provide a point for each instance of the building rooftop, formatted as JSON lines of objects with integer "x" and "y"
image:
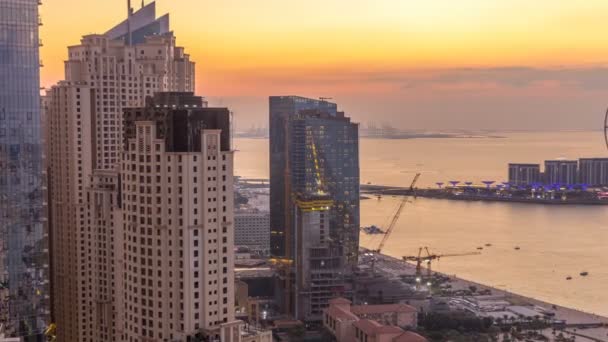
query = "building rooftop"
{"x": 367, "y": 326}
{"x": 339, "y": 300}
{"x": 340, "y": 314}
{"x": 139, "y": 24}
{"x": 377, "y": 309}
{"x": 409, "y": 336}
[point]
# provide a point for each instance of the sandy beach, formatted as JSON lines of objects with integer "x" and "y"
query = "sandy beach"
{"x": 576, "y": 320}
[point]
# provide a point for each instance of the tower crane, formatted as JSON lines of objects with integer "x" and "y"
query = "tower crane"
{"x": 393, "y": 222}
{"x": 396, "y": 216}
{"x": 428, "y": 258}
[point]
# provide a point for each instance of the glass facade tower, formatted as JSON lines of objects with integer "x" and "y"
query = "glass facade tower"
{"x": 282, "y": 108}
{"x": 310, "y": 139}
{"x": 23, "y": 240}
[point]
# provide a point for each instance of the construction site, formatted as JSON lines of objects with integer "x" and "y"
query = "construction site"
{"x": 382, "y": 279}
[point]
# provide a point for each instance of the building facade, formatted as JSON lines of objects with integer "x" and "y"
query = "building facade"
{"x": 24, "y": 266}
{"x": 177, "y": 220}
{"x": 282, "y": 109}
{"x": 593, "y": 171}
{"x": 320, "y": 272}
{"x": 252, "y": 230}
{"x": 313, "y": 150}
{"x": 524, "y": 174}
{"x": 561, "y": 172}
{"x": 380, "y": 323}
{"x": 104, "y": 74}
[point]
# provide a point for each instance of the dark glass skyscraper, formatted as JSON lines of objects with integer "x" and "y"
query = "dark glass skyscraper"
{"x": 311, "y": 142}
{"x": 23, "y": 240}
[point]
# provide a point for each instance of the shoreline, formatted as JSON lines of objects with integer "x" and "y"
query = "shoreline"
{"x": 575, "y": 319}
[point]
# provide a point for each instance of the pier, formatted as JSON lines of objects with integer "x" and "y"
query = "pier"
{"x": 516, "y": 195}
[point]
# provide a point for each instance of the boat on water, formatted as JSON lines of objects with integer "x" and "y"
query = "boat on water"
{"x": 568, "y": 278}
{"x": 479, "y": 248}
{"x": 584, "y": 274}
{"x": 517, "y": 248}
{"x": 488, "y": 245}
{"x": 372, "y": 230}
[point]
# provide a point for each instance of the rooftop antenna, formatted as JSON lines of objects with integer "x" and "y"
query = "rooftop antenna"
{"x": 129, "y": 14}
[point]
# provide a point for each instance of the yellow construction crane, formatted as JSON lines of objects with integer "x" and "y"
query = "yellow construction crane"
{"x": 49, "y": 332}
{"x": 396, "y": 216}
{"x": 392, "y": 224}
{"x": 428, "y": 258}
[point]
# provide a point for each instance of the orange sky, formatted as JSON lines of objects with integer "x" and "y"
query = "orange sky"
{"x": 246, "y": 50}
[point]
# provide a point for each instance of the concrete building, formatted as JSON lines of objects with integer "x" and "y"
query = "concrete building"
{"x": 177, "y": 211}
{"x": 524, "y": 174}
{"x": 252, "y": 230}
{"x": 561, "y": 172}
{"x": 70, "y": 145}
{"x": 593, "y": 171}
{"x": 104, "y": 74}
{"x": 380, "y": 323}
{"x": 24, "y": 259}
{"x": 312, "y": 147}
{"x": 319, "y": 263}
{"x": 372, "y": 331}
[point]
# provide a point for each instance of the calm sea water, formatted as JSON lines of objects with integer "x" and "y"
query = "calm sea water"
{"x": 555, "y": 241}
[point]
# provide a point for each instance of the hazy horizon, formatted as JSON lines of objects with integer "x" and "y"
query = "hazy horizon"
{"x": 436, "y": 65}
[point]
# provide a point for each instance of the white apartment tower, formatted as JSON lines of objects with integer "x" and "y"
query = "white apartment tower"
{"x": 103, "y": 75}
{"x": 177, "y": 217}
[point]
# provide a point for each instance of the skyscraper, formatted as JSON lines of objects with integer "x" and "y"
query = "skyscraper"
{"x": 24, "y": 306}
{"x": 105, "y": 73}
{"x": 282, "y": 108}
{"x": 177, "y": 220}
{"x": 314, "y": 150}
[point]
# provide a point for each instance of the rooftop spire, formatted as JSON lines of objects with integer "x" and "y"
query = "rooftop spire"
{"x": 129, "y": 14}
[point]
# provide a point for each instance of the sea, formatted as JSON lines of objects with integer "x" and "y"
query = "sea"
{"x": 532, "y": 248}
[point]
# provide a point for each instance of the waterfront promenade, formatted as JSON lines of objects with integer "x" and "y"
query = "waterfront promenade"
{"x": 585, "y": 326}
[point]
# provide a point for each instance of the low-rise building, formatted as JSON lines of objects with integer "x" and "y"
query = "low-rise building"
{"x": 593, "y": 171}
{"x": 561, "y": 172}
{"x": 371, "y": 323}
{"x": 252, "y": 230}
{"x": 371, "y": 331}
{"x": 252, "y": 334}
{"x": 524, "y": 174}
{"x": 401, "y": 315}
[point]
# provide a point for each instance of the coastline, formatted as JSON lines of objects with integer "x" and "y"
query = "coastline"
{"x": 585, "y": 325}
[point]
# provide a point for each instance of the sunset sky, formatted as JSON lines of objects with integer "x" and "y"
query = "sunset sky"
{"x": 434, "y": 64}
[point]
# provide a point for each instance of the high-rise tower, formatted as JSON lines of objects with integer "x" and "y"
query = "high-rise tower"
{"x": 177, "y": 219}
{"x": 104, "y": 74}
{"x": 314, "y": 150}
{"x": 24, "y": 300}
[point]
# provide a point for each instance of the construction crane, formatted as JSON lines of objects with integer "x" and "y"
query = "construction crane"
{"x": 50, "y": 332}
{"x": 396, "y": 216}
{"x": 428, "y": 258}
{"x": 392, "y": 224}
